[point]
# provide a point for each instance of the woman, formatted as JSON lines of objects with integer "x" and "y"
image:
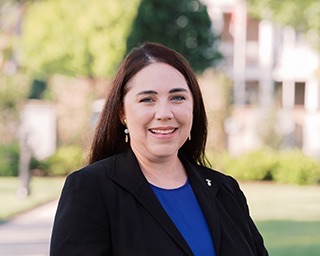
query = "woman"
{"x": 146, "y": 190}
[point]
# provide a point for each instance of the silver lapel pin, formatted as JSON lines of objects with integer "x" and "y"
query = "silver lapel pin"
{"x": 209, "y": 182}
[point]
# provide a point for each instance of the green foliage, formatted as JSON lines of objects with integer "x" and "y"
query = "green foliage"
{"x": 39, "y": 167}
{"x": 38, "y": 88}
{"x": 182, "y": 25}
{"x": 295, "y": 167}
{"x": 77, "y": 37}
{"x": 13, "y": 90}
{"x": 255, "y": 165}
{"x": 264, "y": 164}
{"x": 302, "y": 15}
{"x": 66, "y": 160}
{"x": 9, "y": 159}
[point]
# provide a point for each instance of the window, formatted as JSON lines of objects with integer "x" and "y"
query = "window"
{"x": 299, "y": 92}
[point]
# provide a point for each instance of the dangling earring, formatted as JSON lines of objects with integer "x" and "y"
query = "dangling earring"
{"x": 189, "y": 136}
{"x": 126, "y": 132}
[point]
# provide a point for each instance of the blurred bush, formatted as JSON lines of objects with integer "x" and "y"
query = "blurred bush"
{"x": 66, "y": 160}
{"x": 13, "y": 91}
{"x": 295, "y": 167}
{"x": 9, "y": 159}
{"x": 255, "y": 165}
{"x": 265, "y": 164}
{"x": 290, "y": 166}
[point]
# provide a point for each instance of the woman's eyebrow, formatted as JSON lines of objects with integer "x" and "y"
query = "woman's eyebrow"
{"x": 178, "y": 90}
{"x": 154, "y": 92}
{"x": 146, "y": 92}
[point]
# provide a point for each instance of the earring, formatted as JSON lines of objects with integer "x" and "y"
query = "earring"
{"x": 126, "y": 132}
{"x": 189, "y": 136}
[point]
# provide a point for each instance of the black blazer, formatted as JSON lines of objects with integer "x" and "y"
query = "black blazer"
{"x": 109, "y": 208}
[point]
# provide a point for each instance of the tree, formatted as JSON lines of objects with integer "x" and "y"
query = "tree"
{"x": 304, "y": 15}
{"x": 13, "y": 85}
{"x": 183, "y": 25}
{"x": 76, "y": 37}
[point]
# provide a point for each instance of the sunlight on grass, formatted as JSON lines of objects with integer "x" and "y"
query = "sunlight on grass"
{"x": 294, "y": 238}
{"x": 274, "y": 201}
{"x": 42, "y": 191}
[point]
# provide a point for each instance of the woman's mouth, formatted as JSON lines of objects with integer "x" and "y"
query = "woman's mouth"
{"x": 163, "y": 131}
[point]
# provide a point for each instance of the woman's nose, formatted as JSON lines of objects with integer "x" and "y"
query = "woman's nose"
{"x": 163, "y": 112}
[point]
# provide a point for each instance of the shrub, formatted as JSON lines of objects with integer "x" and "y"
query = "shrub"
{"x": 39, "y": 167}
{"x": 66, "y": 160}
{"x": 256, "y": 165}
{"x": 9, "y": 159}
{"x": 265, "y": 164}
{"x": 295, "y": 167}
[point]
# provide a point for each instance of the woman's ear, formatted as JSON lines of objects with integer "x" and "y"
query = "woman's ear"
{"x": 122, "y": 117}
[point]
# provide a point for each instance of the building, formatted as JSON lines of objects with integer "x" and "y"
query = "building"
{"x": 276, "y": 81}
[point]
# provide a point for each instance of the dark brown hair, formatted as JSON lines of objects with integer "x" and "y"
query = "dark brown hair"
{"x": 109, "y": 137}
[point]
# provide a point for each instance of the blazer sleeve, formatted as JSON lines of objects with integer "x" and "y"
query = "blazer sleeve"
{"x": 258, "y": 240}
{"x": 81, "y": 224}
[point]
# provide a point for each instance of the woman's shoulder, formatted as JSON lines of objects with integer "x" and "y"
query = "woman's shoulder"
{"x": 220, "y": 177}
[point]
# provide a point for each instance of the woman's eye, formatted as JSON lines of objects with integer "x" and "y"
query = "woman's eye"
{"x": 178, "y": 98}
{"x": 146, "y": 100}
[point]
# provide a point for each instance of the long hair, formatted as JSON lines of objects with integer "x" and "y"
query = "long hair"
{"x": 109, "y": 137}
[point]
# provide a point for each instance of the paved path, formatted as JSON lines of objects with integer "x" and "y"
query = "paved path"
{"x": 28, "y": 234}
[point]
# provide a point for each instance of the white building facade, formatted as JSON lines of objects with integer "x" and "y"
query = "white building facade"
{"x": 276, "y": 92}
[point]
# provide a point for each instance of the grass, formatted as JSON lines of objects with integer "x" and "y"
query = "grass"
{"x": 288, "y": 217}
{"x": 272, "y": 201}
{"x": 42, "y": 190}
{"x": 294, "y": 238}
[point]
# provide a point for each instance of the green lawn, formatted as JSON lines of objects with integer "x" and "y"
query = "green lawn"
{"x": 42, "y": 191}
{"x": 288, "y": 217}
{"x": 294, "y": 238}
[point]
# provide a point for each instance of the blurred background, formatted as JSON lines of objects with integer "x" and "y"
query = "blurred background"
{"x": 257, "y": 62}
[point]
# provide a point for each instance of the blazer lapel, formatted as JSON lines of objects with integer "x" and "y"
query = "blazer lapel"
{"x": 205, "y": 189}
{"x": 127, "y": 173}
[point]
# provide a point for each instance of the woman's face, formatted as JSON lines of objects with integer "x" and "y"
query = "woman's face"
{"x": 158, "y": 109}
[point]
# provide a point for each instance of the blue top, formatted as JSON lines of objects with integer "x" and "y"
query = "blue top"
{"x": 184, "y": 210}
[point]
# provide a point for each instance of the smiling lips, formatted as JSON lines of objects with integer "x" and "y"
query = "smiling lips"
{"x": 163, "y": 131}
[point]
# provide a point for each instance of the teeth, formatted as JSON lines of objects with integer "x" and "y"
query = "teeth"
{"x": 162, "y": 131}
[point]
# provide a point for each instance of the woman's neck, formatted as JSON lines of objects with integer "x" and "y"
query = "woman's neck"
{"x": 165, "y": 173}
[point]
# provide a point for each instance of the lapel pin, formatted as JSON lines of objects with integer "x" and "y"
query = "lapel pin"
{"x": 208, "y": 182}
